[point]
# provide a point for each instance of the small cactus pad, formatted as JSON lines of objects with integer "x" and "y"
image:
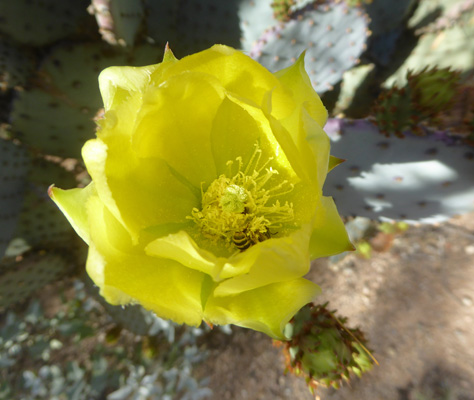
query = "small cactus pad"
{"x": 40, "y": 22}
{"x": 416, "y": 179}
{"x": 333, "y": 35}
{"x": 14, "y": 161}
{"x": 20, "y": 279}
{"x": 16, "y": 65}
{"x": 321, "y": 349}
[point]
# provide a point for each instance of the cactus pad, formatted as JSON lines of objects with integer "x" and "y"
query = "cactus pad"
{"x": 14, "y": 162}
{"x": 40, "y": 22}
{"x": 333, "y": 35}
{"x": 20, "y": 279}
{"x": 57, "y": 117}
{"x": 255, "y": 18}
{"x": 16, "y": 64}
{"x": 416, "y": 179}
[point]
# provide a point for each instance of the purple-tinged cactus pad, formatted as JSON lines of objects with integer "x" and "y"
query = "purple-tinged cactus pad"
{"x": 333, "y": 36}
{"x": 416, "y": 179}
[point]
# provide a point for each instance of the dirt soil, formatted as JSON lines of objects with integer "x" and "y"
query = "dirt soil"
{"x": 415, "y": 302}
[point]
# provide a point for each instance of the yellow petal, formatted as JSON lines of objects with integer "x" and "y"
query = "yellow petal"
{"x": 266, "y": 309}
{"x": 71, "y": 203}
{"x": 126, "y": 274}
{"x": 116, "y": 84}
{"x": 237, "y": 72}
{"x": 182, "y": 248}
{"x": 270, "y": 261}
{"x": 329, "y": 235}
{"x": 139, "y": 192}
{"x": 175, "y": 122}
{"x": 296, "y": 80}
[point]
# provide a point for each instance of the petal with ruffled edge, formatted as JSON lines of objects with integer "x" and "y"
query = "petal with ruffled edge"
{"x": 266, "y": 309}
{"x": 329, "y": 235}
{"x": 126, "y": 274}
{"x": 117, "y": 83}
{"x": 71, "y": 203}
{"x": 237, "y": 72}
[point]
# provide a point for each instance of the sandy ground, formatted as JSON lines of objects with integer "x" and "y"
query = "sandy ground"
{"x": 415, "y": 302}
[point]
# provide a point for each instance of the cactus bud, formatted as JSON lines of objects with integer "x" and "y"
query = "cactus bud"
{"x": 321, "y": 349}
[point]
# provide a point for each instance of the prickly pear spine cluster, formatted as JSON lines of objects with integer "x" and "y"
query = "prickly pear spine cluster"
{"x": 281, "y": 9}
{"x": 426, "y": 95}
{"x": 322, "y": 350}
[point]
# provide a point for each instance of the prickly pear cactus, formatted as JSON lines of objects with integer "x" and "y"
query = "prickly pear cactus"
{"x": 13, "y": 171}
{"x": 417, "y": 179}
{"x": 255, "y": 17}
{"x": 16, "y": 64}
{"x": 40, "y": 22}
{"x": 316, "y": 29}
{"x": 19, "y": 279}
{"x": 118, "y": 20}
{"x": 56, "y": 116}
{"x": 426, "y": 94}
{"x": 321, "y": 349}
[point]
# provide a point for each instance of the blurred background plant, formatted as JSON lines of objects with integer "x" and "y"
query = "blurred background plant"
{"x": 397, "y": 78}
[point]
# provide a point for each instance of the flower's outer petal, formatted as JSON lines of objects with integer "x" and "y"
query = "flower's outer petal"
{"x": 117, "y": 83}
{"x": 296, "y": 80}
{"x": 270, "y": 261}
{"x": 329, "y": 235}
{"x": 126, "y": 274}
{"x": 139, "y": 192}
{"x": 237, "y": 72}
{"x": 266, "y": 309}
{"x": 334, "y": 162}
{"x": 175, "y": 122}
{"x": 182, "y": 248}
{"x": 319, "y": 143}
{"x": 71, "y": 203}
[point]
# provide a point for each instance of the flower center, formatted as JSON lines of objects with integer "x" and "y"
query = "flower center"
{"x": 237, "y": 208}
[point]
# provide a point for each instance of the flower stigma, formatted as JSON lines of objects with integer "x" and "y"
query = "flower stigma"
{"x": 237, "y": 208}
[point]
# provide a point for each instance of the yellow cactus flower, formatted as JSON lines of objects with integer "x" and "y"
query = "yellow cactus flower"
{"x": 206, "y": 196}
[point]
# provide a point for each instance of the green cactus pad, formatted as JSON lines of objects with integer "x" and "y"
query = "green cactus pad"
{"x": 415, "y": 179}
{"x": 14, "y": 161}
{"x": 16, "y": 64}
{"x": 57, "y": 117}
{"x": 40, "y": 224}
{"x": 333, "y": 36}
{"x": 40, "y": 22}
{"x": 20, "y": 279}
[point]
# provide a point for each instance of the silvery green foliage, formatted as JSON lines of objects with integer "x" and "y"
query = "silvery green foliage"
{"x": 416, "y": 179}
{"x": 118, "y": 371}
